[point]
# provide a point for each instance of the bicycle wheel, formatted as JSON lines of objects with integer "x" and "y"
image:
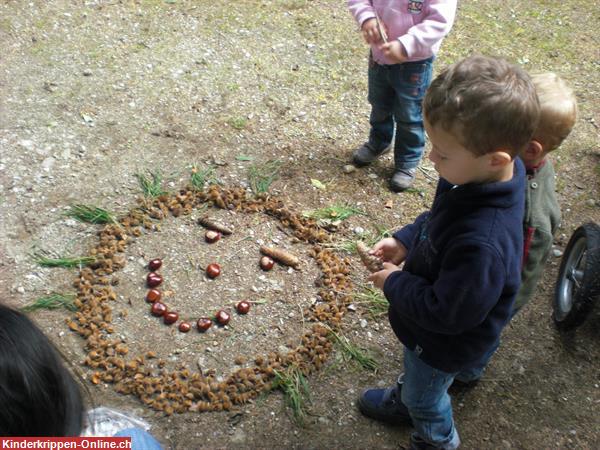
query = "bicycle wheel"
{"x": 578, "y": 282}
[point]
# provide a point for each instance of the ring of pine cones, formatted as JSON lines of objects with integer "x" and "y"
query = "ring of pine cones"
{"x": 181, "y": 389}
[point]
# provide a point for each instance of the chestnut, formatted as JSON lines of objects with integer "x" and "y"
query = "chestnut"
{"x": 184, "y": 327}
{"x": 213, "y": 270}
{"x": 153, "y": 279}
{"x": 266, "y": 263}
{"x": 153, "y": 295}
{"x": 212, "y": 236}
{"x": 155, "y": 264}
{"x": 158, "y": 309}
{"x": 204, "y": 323}
{"x": 222, "y": 317}
{"x": 170, "y": 317}
{"x": 243, "y": 307}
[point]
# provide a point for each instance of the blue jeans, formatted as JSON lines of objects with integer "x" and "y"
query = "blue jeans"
{"x": 140, "y": 439}
{"x": 396, "y": 93}
{"x": 425, "y": 394}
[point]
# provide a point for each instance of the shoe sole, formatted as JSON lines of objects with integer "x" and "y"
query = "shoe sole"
{"x": 367, "y": 411}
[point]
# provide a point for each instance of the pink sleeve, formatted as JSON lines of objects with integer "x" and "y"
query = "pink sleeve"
{"x": 420, "y": 38}
{"x": 361, "y": 10}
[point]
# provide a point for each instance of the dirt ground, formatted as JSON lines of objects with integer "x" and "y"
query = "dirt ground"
{"x": 93, "y": 92}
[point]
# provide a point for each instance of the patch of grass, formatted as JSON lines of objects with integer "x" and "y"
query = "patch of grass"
{"x": 336, "y": 212}
{"x": 261, "y": 176}
{"x": 239, "y": 123}
{"x": 52, "y": 301}
{"x": 78, "y": 261}
{"x": 349, "y": 245}
{"x": 353, "y": 352}
{"x": 90, "y": 214}
{"x": 151, "y": 185}
{"x": 373, "y": 300}
{"x": 296, "y": 392}
{"x": 198, "y": 177}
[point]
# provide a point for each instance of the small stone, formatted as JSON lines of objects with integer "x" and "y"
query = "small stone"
{"x": 351, "y": 307}
{"x": 87, "y": 73}
{"x": 372, "y": 176}
{"x": 349, "y": 168}
{"x": 591, "y": 202}
{"x": 359, "y": 230}
{"x": 363, "y": 323}
{"x": 21, "y": 290}
{"x": 556, "y": 253}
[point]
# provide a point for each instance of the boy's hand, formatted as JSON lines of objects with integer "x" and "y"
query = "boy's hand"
{"x": 378, "y": 278}
{"x": 394, "y": 51}
{"x": 390, "y": 250}
{"x": 370, "y": 31}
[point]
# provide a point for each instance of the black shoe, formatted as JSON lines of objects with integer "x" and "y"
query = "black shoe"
{"x": 459, "y": 387}
{"x": 366, "y": 154}
{"x": 384, "y": 405}
{"x": 402, "y": 179}
{"x": 416, "y": 443}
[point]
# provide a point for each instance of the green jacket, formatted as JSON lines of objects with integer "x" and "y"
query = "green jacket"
{"x": 542, "y": 218}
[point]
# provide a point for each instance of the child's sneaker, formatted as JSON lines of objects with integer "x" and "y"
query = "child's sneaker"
{"x": 366, "y": 154}
{"x": 402, "y": 179}
{"x": 417, "y": 443}
{"x": 384, "y": 405}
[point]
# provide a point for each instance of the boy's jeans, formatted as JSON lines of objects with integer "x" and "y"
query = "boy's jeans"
{"x": 395, "y": 94}
{"x": 425, "y": 394}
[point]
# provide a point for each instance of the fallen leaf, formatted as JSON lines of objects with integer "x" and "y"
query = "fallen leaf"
{"x": 318, "y": 184}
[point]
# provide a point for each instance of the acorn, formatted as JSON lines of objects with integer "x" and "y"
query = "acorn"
{"x": 184, "y": 327}
{"x": 222, "y": 317}
{"x": 153, "y": 295}
{"x": 155, "y": 264}
{"x": 158, "y": 309}
{"x": 266, "y": 263}
{"x": 213, "y": 270}
{"x": 243, "y": 307}
{"x": 212, "y": 236}
{"x": 170, "y": 317}
{"x": 153, "y": 279}
{"x": 204, "y": 323}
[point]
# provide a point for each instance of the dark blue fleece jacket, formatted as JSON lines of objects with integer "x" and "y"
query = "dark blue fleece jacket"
{"x": 462, "y": 273}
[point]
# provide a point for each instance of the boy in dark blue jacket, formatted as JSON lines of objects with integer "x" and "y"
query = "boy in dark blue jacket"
{"x": 462, "y": 258}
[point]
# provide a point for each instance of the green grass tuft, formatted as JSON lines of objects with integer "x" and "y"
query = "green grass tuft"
{"x": 292, "y": 383}
{"x": 336, "y": 212}
{"x": 151, "y": 185}
{"x": 78, "y": 261}
{"x": 52, "y": 301}
{"x": 353, "y": 352}
{"x": 198, "y": 178}
{"x": 261, "y": 176}
{"x": 373, "y": 300}
{"x": 90, "y": 214}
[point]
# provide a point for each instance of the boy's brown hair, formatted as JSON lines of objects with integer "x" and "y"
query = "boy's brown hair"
{"x": 558, "y": 110}
{"x": 486, "y": 102}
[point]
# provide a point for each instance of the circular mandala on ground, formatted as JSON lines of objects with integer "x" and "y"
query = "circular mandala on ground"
{"x": 293, "y": 309}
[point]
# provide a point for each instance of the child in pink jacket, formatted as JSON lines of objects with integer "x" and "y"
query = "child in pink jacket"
{"x": 404, "y": 37}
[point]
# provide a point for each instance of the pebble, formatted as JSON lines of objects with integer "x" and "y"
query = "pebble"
{"x": 359, "y": 230}
{"x": 349, "y": 168}
{"x": 372, "y": 176}
{"x": 21, "y": 290}
{"x": 363, "y": 323}
{"x": 87, "y": 73}
{"x": 557, "y": 253}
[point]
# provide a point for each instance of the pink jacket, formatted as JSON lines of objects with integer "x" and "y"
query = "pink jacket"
{"x": 419, "y": 25}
